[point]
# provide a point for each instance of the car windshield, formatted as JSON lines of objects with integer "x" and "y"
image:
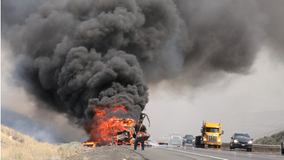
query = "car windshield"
{"x": 189, "y": 136}
{"x": 215, "y": 130}
{"x": 242, "y": 136}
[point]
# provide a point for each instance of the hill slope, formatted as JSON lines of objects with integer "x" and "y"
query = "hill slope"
{"x": 274, "y": 139}
{"x": 15, "y": 145}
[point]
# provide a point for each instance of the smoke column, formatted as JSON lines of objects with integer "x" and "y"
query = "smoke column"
{"x": 76, "y": 55}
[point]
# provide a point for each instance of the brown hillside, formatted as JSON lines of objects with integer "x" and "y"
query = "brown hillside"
{"x": 15, "y": 145}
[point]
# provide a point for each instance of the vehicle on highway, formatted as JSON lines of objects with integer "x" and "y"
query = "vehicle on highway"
{"x": 282, "y": 146}
{"x": 175, "y": 139}
{"x": 241, "y": 140}
{"x": 166, "y": 139}
{"x": 162, "y": 143}
{"x": 149, "y": 143}
{"x": 188, "y": 139}
{"x": 210, "y": 135}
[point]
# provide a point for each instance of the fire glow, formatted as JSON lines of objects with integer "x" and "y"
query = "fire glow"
{"x": 104, "y": 130}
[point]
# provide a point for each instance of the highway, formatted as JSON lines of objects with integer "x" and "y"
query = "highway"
{"x": 191, "y": 153}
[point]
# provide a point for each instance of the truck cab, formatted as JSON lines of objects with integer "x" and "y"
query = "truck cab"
{"x": 210, "y": 135}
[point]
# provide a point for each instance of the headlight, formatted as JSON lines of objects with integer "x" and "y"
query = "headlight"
{"x": 250, "y": 142}
{"x": 185, "y": 139}
{"x": 235, "y": 141}
{"x": 219, "y": 140}
{"x": 205, "y": 139}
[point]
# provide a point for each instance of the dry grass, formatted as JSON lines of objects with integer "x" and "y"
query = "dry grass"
{"x": 16, "y": 146}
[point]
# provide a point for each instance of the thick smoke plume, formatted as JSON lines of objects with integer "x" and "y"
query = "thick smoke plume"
{"x": 76, "y": 55}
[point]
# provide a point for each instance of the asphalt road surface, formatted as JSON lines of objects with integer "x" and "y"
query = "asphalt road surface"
{"x": 191, "y": 153}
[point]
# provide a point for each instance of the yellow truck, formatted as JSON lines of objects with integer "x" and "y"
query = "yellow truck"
{"x": 210, "y": 135}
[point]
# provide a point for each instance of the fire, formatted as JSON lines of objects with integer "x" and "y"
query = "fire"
{"x": 104, "y": 131}
{"x": 93, "y": 144}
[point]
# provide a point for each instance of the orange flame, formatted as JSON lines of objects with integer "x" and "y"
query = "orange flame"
{"x": 92, "y": 144}
{"x": 104, "y": 130}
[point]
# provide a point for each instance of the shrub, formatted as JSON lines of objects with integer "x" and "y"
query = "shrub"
{"x": 274, "y": 139}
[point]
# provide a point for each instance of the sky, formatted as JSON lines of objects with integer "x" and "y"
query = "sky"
{"x": 210, "y": 61}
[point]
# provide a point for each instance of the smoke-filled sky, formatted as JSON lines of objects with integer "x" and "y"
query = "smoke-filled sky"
{"x": 193, "y": 57}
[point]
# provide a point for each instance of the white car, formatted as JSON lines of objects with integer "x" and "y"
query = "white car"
{"x": 175, "y": 139}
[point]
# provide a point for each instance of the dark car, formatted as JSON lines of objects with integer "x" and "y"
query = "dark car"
{"x": 189, "y": 139}
{"x": 241, "y": 140}
{"x": 282, "y": 146}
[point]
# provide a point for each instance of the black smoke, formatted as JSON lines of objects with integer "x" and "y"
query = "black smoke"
{"x": 74, "y": 55}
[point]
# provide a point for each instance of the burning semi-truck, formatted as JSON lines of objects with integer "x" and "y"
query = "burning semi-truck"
{"x": 114, "y": 131}
{"x": 210, "y": 135}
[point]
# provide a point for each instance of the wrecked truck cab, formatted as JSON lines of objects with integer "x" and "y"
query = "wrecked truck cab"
{"x": 127, "y": 134}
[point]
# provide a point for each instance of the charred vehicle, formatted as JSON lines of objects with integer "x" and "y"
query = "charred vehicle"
{"x": 210, "y": 135}
{"x": 124, "y": 137}
{"x": 241, "y": 140}
{"x": 117, "y": 131}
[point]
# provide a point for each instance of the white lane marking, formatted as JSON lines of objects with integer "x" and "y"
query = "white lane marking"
{"x": 197, "y": 154}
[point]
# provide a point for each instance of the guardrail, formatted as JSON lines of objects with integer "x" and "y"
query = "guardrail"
{"x": 257, "y": 147}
